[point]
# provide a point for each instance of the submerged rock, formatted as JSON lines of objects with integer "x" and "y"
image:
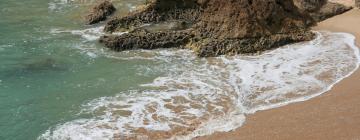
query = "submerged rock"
{"x": 100, "y": 12}
{"x": 320, "y": 10}
{"x": 217, "y": 27}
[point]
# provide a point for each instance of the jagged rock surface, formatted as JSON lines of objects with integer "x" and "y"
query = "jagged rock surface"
{"x": 145, "y": 40}
{"x": 320, "y": 10}
{"x": 310, "y": 5}
{"x": 155, "y": 12}
{"x": 217, "y": 26}
{"x": 215, "y": 47}
{"x": 100, "y": 12}
{"x": 329, "y": 10}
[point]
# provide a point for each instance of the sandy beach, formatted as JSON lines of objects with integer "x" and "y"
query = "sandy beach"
{"x": 334, "y": 115}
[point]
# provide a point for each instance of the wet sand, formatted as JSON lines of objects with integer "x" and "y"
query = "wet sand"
{"x": 334, "y": 115}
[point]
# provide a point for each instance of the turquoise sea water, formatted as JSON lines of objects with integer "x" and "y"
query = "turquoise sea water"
{"x": 45, "y": 77}
{"x": 57, "y": 82}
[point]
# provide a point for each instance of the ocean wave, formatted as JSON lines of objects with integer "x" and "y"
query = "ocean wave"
{"x": 90, "y": 34}
{"x": 3, "y": 47}
{"x": 198, "y": 96}
{"x": 59, "y": 5}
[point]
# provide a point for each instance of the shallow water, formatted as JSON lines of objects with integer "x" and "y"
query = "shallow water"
{"x": 56, "y": 82}
{"x": 45, "y": 77}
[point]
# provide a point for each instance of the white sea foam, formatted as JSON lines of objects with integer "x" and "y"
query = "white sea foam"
{"x": 89, "y": 34}
{"x": 215, "y": 94}
{"x": 58, "y": 4}
{"x": 3, "y": 47}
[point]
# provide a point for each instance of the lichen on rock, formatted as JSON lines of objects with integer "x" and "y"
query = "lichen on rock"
{"x": 217, "y": 27}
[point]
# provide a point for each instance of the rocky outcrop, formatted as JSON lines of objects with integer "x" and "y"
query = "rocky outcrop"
{"x": 310, "y": 5}
{"x": 250, "y": 19}
{"x": 320, "y": 10}
{"x": 216, "y": 47}
{"x": 216, "y": 27}
{"x": 100, "y": 12}
{"x": 157, "y": 11}
{"x": 329, "y": 10}
{"x": 142, "y": 39}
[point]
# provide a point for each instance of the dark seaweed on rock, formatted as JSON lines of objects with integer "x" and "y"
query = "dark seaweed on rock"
{"x": 218, "y": 26}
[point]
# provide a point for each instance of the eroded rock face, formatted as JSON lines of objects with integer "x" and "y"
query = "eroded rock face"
{"x": 157, "y": 11}
{"x": 310, "y": 5}
{"x": 142, "y": 39}
{"x": 216, "y": 47}
{"x": 320, "y": 10}
{"x": 100, "y": 12}
{"x": 329, "y": 10}
{"x": 217, "y": 26}
{"x": 250, "y": 18}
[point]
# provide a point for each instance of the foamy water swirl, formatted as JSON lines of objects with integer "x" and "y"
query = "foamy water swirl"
{"x": 199, "y": 96}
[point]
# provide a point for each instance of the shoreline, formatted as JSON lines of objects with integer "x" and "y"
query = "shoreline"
{"x": 331, "y": 115}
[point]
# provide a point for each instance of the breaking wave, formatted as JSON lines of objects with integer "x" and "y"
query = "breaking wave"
{"x": 90, "y": 34}
{"x": 198, "y": 96}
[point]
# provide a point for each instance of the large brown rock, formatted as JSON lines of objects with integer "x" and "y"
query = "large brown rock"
{"x": 216, "y": 47}
{"x": 141, "y": 39}
{"x": 320, "y": 10}
{"x": 310, "y": 5}
{"x": 100, "y": 12}
{"x": 217, "y": 26}
{"x": 329, "y": 10}
{"x": 157, "y": 11}
{"x": 236, "y": 19}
